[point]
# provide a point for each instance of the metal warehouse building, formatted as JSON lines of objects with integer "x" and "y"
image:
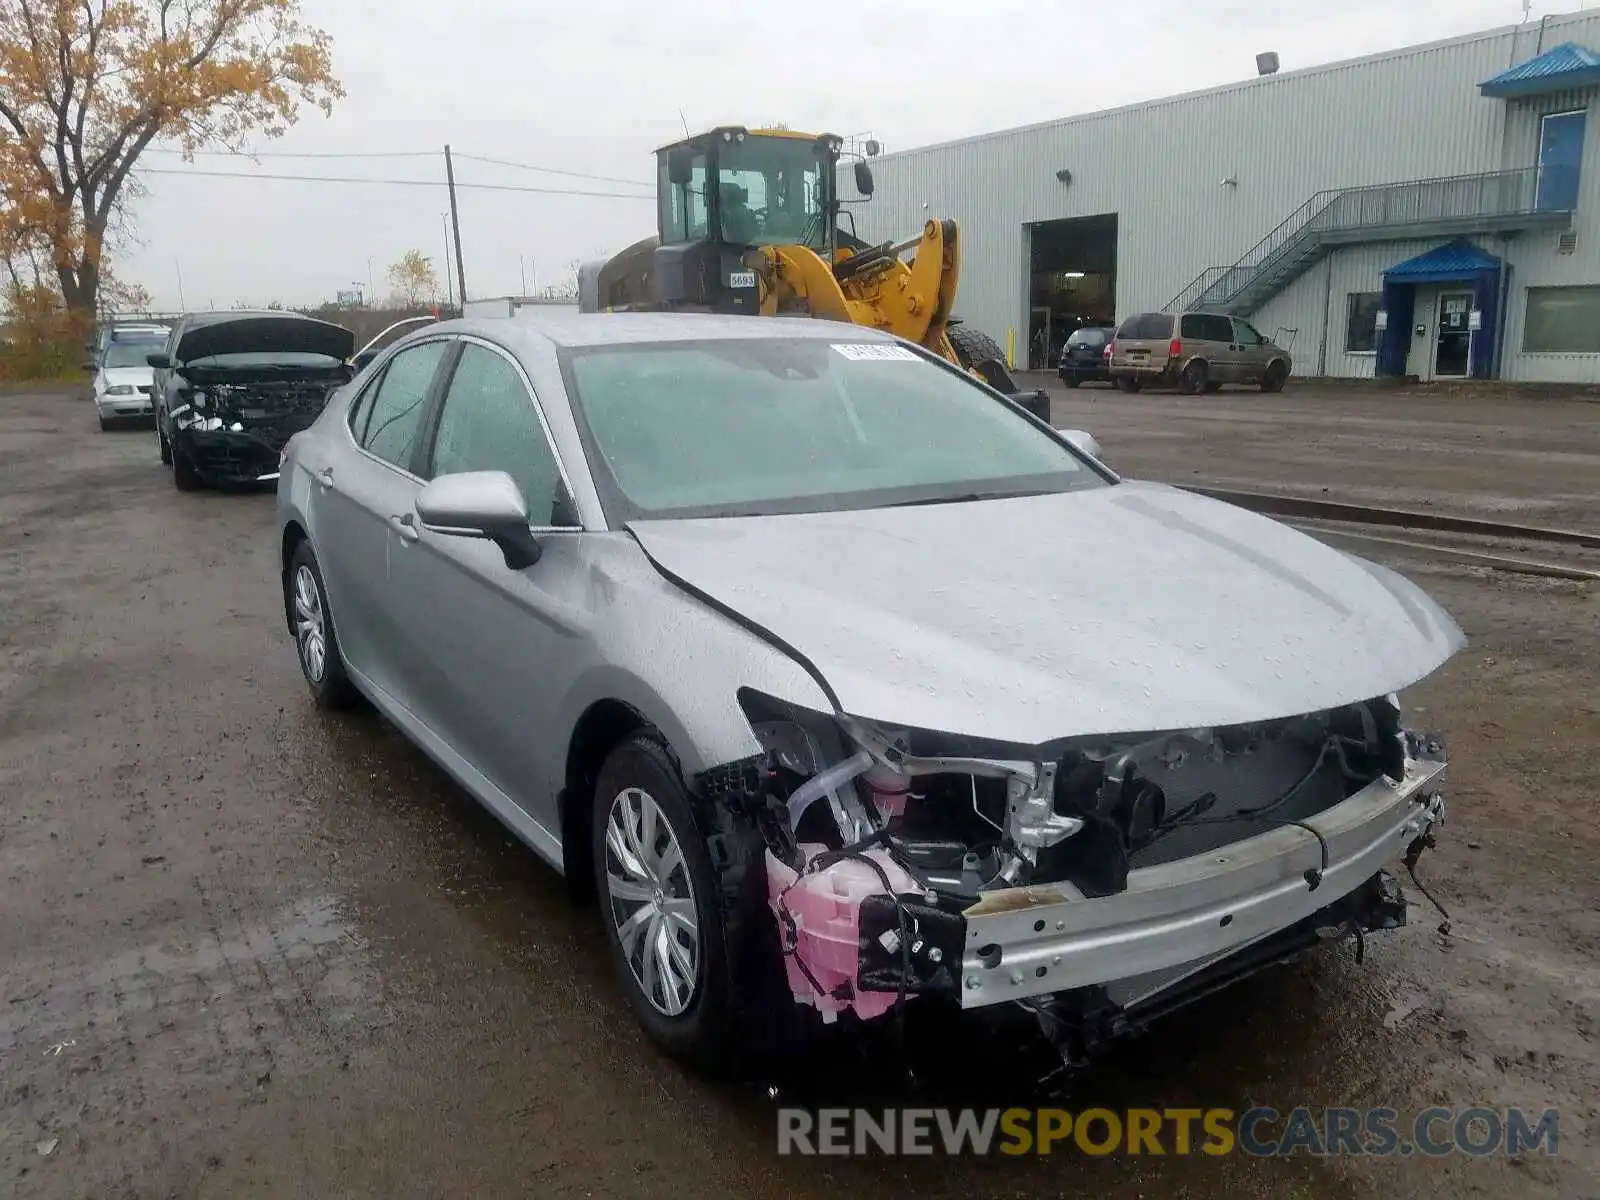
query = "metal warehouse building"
{"x": 1423, "y": 212}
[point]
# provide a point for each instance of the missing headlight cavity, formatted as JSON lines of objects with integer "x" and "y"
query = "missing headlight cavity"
{"x": 878, "y": 839}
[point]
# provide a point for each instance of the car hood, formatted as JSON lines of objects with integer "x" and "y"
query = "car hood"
{"x": 248, "y": 335}
{"x": 1127, "y": 608}
{"x": 126, "y": 376}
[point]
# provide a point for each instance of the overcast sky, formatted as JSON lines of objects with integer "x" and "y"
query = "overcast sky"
{"x": 595, "y": 87}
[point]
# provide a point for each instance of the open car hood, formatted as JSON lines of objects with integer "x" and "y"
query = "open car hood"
{"x": 1129, "y": 608}
{"x": 254, "y": 335}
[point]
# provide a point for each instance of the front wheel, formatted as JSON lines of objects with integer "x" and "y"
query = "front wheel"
{"x": 163, "y": 445}
{"x": 661, "y": 905}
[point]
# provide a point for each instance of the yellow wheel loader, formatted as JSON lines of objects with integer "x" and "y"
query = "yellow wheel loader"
{"x": 748, "y": 221}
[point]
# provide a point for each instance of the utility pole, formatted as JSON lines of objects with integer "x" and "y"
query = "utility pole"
{"x": 181, "y": 305}
{"x": 455, "y": 225}
{"x": 449, "y": 280}
{"x": 522, "y": 260}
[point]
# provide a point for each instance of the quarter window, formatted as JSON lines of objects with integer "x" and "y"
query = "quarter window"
{"x": 1361, "y": 322}
{"x": 401, "y": 402}
{"x": 489, "y": 422}
{"x": 1247, "y": 334}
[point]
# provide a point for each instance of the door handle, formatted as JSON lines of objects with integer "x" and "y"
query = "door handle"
{"x": 405, "y": 524}
{"x": 325, "y": 477}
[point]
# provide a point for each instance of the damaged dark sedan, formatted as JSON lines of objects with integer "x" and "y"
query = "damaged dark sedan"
{"x": 233, "y": 387}
{"x": 850, "y": 684}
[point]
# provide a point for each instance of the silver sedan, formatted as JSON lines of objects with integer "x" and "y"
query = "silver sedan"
{"x": 849, "y": 684}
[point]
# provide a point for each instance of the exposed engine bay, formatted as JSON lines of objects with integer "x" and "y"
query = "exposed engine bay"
{"x": 270, "y": 402}
{"x": 1092, "y": 874}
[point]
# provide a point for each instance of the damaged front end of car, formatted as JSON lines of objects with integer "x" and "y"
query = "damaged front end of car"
{"x": 1098, "y": 881}
{"x": 233, "y": 423}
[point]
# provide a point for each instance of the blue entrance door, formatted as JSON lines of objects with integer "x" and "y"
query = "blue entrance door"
{"x": 1560, "y": 156}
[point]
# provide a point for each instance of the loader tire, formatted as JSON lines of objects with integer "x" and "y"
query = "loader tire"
{"x": 981, "y": 353}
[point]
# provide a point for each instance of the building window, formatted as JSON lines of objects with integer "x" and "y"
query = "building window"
{"x": 1562, "y": 320}
{"x": 1361, "y": 322}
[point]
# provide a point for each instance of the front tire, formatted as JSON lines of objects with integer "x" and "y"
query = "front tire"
{"x": 316, "y": 644}
{"x": 661, "y": 905}
{"x": 979, "y": 352}
{"x": 164, "y": 445}
{"x": 184, "y": 475}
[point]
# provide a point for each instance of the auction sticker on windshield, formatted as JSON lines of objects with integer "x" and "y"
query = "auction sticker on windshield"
{"x": 874, "y": 352}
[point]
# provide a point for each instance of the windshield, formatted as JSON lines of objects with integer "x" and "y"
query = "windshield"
{"x": 125, "y": 353}
{"x": 770, "y": 191}
{"x": 1087, "y": 337}
{"x": 757, "y": 426}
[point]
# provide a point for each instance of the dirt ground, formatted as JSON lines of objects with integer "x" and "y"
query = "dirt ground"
{"x": 248, "y": 949}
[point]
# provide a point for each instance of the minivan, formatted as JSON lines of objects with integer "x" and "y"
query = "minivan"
{"x": 1196, "y": 352}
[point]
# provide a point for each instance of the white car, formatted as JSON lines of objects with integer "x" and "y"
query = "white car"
{"x": 123, "y": 378}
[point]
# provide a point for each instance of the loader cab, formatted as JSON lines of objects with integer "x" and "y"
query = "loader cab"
{"x": 724, "y": 191}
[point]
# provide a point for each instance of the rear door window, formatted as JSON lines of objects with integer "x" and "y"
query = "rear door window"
{"x": 400, "y": 403}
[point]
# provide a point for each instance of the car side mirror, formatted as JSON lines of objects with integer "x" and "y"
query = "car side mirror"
{"x": 362, "y": 361}
{"x": 159, "y": 361}
{"x": 1084, "y": 443}
{"x": 91, "y": 366}
{"x": 864, "y": 183}
{"x": 481, "y": 504}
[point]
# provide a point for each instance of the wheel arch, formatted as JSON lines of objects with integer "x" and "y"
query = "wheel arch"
{"x": 293, "y": 534}
{"x": 602, "y": 727}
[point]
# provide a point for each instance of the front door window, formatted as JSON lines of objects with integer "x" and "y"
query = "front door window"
{"x": 1453, "y": 354}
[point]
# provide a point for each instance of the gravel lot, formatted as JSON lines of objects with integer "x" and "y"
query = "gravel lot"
{"x": 247, "y": 949}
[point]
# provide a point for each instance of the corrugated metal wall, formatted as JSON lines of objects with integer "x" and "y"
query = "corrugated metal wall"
{"x": 1414, "y": 114}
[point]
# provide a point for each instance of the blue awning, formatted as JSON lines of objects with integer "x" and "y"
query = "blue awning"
{"x": 1558, "y": 69}
{"x": 1444, "y": 264}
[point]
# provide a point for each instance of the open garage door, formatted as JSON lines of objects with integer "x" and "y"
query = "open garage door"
{"x": 1072, "y": 282}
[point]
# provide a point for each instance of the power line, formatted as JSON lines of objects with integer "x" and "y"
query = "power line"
{"x": 428, "y": 183}
{"x": 300, "y": 154}
{"x": 336, "y": 154}
{"x": 501, "y": 162}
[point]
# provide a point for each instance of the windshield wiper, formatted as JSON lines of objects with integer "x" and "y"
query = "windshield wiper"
{"x": 967, "y": 497}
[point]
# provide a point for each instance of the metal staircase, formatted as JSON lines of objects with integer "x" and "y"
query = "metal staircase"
{"x": 1494, "y": 202}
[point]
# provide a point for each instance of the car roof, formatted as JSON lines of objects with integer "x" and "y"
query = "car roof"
{"x": 578, "y": 330}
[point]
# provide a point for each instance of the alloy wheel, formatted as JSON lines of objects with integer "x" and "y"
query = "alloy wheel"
{"x": 652, "y": 901}
{"x": 310, "y": 624}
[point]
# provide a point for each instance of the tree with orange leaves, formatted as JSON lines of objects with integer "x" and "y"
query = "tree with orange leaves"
{"x": 86, "y": 86}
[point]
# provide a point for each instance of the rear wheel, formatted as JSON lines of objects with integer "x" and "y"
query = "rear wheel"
{"x": 320, "y": 659}
{"x": 1128, "y": 384}
{"x": 981, "y": 353}
{"x": 1213, "y": 386}
{"x": 1194, "y": 377}
{"x": 1071, "y": 381}
{"x": 1272, "y": 380}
